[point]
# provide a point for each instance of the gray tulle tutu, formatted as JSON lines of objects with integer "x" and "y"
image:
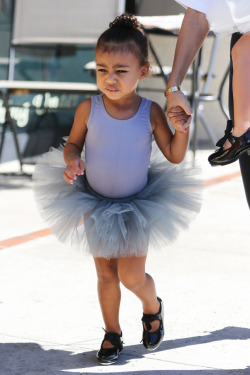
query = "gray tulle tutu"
{"x": 113, "y": 228}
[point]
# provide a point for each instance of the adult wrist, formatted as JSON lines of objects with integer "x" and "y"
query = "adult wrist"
{"x": 171, "y": 89}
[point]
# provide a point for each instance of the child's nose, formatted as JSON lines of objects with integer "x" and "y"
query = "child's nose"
{"x": 111, "y": 77}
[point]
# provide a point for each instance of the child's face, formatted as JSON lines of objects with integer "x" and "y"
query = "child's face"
{"x": 118, "y": 73}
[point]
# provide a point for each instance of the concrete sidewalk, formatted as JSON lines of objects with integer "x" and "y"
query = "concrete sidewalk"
{"x": 50, "y": 322}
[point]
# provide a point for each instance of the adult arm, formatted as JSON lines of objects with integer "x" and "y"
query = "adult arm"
{"x": 193, "y": 31}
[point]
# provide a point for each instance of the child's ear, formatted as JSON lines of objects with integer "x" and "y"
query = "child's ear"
{"x": 145, "y": 71}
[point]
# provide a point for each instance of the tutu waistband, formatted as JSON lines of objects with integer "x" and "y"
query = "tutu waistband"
{"x": 101, "y": 197}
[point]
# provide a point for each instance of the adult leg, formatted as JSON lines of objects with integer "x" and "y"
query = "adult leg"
{"x": 109, "y": 294}
{"x": 245, "y": 170}
{"x": 239, "y": 95}
{"x": 245, "y": 158}
{"x": 238, "y": 143}
{"x": 240, "y": 53}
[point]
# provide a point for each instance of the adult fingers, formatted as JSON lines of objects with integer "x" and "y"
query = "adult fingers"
{"x": 186, "y": 107}
{"x": 176, "y": 109}
{"x": 187, "y": 123}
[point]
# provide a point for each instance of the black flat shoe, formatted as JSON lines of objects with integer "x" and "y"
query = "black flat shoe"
{"x": 239, "y": 146}
{"x": 151, "y": 340}
{"x": 108, "y": 356}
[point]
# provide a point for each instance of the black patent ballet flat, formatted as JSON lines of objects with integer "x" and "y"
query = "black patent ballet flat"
{"x": 239, "y": 146}
{"x": 108, "y": 356}
{"x": 151, "y": 340}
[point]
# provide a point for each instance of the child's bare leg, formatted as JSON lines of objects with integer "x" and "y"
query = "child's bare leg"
{"x": 109, "y": 294}
{"x": 241, "y": 84}
{"x": 131, "y": 272}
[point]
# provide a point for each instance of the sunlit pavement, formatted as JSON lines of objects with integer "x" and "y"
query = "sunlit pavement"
{"x": 50, "y": 322}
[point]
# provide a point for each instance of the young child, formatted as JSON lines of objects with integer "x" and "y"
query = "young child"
{"x": 115, "y": 204}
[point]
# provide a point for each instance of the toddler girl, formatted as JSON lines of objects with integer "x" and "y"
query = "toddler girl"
{"x": 113, "y": 203}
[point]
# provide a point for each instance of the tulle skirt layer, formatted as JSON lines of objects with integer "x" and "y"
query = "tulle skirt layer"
{"x": 113, "y": 228}
{"x": 229, "y": 16}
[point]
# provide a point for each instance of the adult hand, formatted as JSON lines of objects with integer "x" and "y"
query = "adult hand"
{"x": 74, "y": 167}
{"x": 179, "y": 111}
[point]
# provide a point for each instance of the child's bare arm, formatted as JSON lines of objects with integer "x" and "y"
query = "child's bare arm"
{"x": 173, "y": 147}
{"x": 75, "y": 142}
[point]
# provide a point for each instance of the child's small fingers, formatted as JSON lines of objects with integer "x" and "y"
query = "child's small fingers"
{"x": 67, "y": 178}
{"x": 179, "y": 118}
{"x": 181, "y": 129}
{"x": 187, "y": 123}
{"x": 181, "y": 126}
{"x": 178, "y": 122}
{"x": 71, "y": 171}
{"x": 175, "y": 117}
{"x": 81, "y": 167}
{"x": 80, "y": 171}
{"x": 77, "y": 167}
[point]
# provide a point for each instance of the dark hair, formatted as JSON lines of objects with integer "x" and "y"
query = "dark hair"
{"x": 125, "y": 34}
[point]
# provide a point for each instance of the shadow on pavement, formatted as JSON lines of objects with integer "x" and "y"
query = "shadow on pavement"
{"x": 31, "y": 358}
{"x": 10, "y": 181}
{"x": 227, "y": 333}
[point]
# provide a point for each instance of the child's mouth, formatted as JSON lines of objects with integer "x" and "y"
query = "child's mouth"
{"x": 111, "y": 89}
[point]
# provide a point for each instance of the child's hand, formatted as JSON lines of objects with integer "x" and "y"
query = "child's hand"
{"x": 179, "y": 111}
{"x": 75, "y": 167}
{"x": 179, "y": 119}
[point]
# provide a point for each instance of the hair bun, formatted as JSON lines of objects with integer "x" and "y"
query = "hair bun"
{"x": 125, "y": 20}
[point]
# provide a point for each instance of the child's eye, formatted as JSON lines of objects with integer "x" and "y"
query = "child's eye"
{"x": 121, "y": 71}
{"x": 101, "y": 70}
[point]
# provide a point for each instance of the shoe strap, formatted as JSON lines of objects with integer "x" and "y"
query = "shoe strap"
{"x": 228, "y": 132}
{"x": 231, "y": 139}
{"x": 114, "y": 338}
{"x": 148, "y": 318}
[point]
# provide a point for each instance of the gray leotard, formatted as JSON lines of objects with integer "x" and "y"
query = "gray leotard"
{"x": 117, "y": 152}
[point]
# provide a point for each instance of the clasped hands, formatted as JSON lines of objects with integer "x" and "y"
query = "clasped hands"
{"x": 179, "y": 112}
